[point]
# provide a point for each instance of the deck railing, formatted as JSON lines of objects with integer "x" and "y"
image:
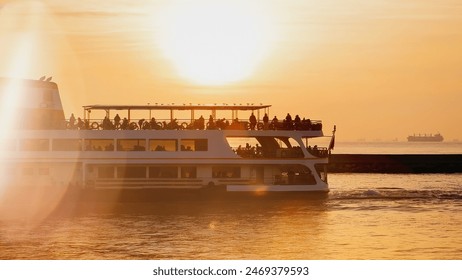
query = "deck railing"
{"x": 164, "y": 124}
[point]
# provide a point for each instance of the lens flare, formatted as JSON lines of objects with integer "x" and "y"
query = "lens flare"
{"x": 27, "y": 193}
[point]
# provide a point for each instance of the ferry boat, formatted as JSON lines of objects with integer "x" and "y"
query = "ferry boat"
{"x": 425, "y": 138}
{"x": 123, "y": 157}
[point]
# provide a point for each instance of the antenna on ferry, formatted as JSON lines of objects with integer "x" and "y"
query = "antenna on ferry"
{"x": 49, "y": 79}
{"x": 42, "y": 78}
{"x": 332, "y": 140}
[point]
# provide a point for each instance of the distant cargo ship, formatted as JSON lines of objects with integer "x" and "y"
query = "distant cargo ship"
{"x": 425, "y": 138}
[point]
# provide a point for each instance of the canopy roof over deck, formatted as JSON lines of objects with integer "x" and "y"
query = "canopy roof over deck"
{"x": 177, "y": 107}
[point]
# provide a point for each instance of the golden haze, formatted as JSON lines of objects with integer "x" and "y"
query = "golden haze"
{"x": 378, "y": 70}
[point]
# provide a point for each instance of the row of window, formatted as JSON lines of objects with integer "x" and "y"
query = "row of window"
{"x": 30, "y": 171}
{"x": 167, "y": 172}
{"x": 170, "y": 145}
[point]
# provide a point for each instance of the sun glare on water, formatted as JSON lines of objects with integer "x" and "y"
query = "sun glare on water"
{"x": 214, "y": 42}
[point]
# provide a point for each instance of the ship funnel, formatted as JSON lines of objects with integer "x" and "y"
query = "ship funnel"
{"x": 31, "y": 104}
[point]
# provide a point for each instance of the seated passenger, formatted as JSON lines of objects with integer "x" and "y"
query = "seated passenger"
{"x": 80, "y": 124}
{"x": 306, "y": 124}
{"x": 125, "y": 124}
{"x": 153, "y": 124}
{"x": 211, "y": 123}
{"x": 173, "y": 124}
{"x": 221, "y": 124}
{"x": 274, "y": 123}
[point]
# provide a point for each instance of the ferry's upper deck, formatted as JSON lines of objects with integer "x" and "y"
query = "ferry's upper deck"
{"x": 257, "y": 118}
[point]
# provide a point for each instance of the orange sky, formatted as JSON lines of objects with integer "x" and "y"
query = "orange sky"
{"x": 376, "y": 69}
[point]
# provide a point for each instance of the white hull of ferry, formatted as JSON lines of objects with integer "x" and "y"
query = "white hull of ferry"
{"x": 214, "y": 166}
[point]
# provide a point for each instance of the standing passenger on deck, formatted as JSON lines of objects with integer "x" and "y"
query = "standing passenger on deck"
{"x": 288, "y": 122}
{"x": 117, "y": 121}
{"x": 72, "y": 121}
{"x": 297, "y": 122}
{"x": 202, "y": 123}
{"x": 265, "y": 121}
{"x": 253, "y": 121}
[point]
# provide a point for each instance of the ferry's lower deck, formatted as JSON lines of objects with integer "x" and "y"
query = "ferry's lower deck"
{"x": 235, "y": 177}
{"x": 130, "y": 181}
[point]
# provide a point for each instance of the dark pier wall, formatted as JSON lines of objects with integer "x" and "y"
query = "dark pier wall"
{"x": 409, "y": 163}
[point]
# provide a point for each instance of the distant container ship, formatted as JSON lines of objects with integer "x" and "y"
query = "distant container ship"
{"x": 425, "y": 138}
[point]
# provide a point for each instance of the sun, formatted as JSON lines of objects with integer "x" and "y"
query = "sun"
{"x": 214, "y": 42}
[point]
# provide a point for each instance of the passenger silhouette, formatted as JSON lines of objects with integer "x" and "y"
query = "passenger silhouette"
{"x": 72, "y": 121}
{"x": 265, "y": 121}
{"x": 253, "y": 121}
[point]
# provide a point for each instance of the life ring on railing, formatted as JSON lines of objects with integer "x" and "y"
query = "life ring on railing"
{"x": 94, "y": 125}
{"x": 133, "y": 126}
{"x": 184, "y": 125}
{"x": 260, "y": 126}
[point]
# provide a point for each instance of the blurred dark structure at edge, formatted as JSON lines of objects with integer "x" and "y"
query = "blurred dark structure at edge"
{"x": 395, "y": 163}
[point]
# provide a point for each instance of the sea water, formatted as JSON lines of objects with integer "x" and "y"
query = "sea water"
{"x": 365, "y": 216}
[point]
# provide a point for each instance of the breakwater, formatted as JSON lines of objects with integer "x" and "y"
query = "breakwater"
{"x": 395, "y": 163}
